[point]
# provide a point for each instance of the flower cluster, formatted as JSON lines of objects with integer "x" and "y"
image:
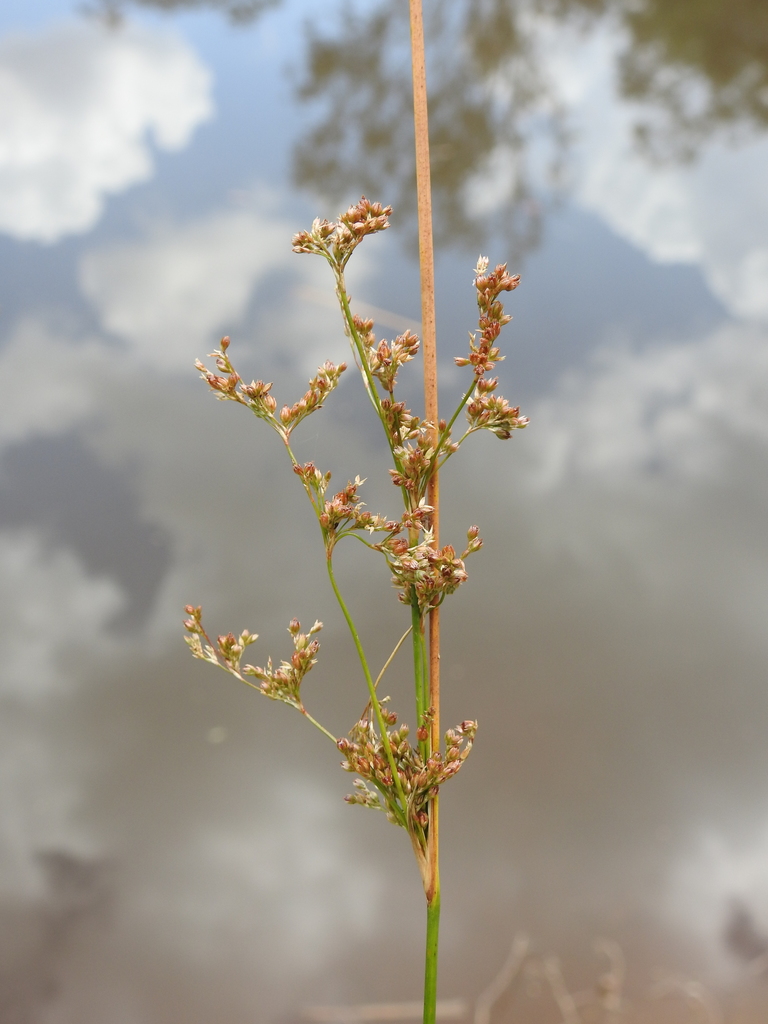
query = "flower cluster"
{"x": 337, "y": 240}
{"x": 256, "y": 395}
{"x": 393, "y": 775}
{"x": 315, "y": 482}
{"x": 419, "y": 777}
{"x": 486, "y": 411}
{"x": 429, "y": 573}
{"x": 319, "y": 388}
{"x": 228, "y": 649}
{"x": 483, "y": 353}
{"x": 386, "y": 358}
{"x": 399, "y": 422}
{"x": 416, "y": 462}
{"x": 346, "y": 512}
{"x": 283, "y": 683}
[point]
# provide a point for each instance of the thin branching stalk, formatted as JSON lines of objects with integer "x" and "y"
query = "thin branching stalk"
{"x": 375, "y": 704}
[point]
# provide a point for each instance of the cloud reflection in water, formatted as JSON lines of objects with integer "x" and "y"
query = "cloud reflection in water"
{"x": 611, "y": 640}
{"x": 79, "y": 102}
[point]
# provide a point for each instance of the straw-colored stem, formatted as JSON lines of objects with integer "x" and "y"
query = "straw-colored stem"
{"x": 429, "y": 341}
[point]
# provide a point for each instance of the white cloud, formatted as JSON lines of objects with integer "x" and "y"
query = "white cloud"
{"x": 654, "y": 463}
{"x": 169, "y": 295}
{"x": 47, "y": 384}
{"x": 172, "y": 294}
{"x": 711, "y": 212}
{"x": 47, "y": 604}
{"x": 675, "y": 411}
{"x": 296, "y": 864}
{"x": 77, "y": 102}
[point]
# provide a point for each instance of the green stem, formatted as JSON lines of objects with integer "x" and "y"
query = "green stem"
{"x": 401, "y": 809}
{"x": 444, "y": 434}
{"x": 314, "y": 722}
{"x": 391, "y": 658}
{"x": 302, "y": 709}
{"x": 356, "y": 536}
{"x": 418, "y": 660}
{"x": 305, "y": 485}
{"x": 425, "y": 667}
{"x": 430, "y": 963}
{"x": 419, "y": 674}
{"x": 365, "y": 370}
{"x": 387, "y": 663}
{"x": 459, "y": 407}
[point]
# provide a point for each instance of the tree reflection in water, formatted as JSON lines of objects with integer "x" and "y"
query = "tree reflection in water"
{"x": 488, "y": 97}
{"x": 238, "y": 11}
{"x": 700, "y": 67}
{"x": 703, "y": 65}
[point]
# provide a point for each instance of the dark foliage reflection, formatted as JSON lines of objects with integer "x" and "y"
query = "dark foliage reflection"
{"x": 487, "y": 94}
{"x": 239, "y": 11}
{"x": 703, "y": 65}
{"x": 701, "y": 68}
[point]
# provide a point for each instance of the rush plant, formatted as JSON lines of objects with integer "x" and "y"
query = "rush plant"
{"x": 393, "y": 773}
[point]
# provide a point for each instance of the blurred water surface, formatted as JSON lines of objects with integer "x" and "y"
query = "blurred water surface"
{"x": 172, "y": 847}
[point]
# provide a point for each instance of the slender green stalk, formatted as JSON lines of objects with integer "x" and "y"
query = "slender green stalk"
{"x": 301, "y": 708}
{"x": 419, "y": 679}
{"x": 365, "y": 370}
{"x": 386, "y": 665}
{"x": 430, "y": 962}
{"x": 314, "y": 722}
{"x": 444, "y": 433}
{"x": 370, "y": 383}
{"x": 420, "y": 675}
{"x": 401, "y": 809}
{"x": 390, "y": 659}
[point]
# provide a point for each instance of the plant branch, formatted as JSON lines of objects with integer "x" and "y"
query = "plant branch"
{"x": 459, "y": 407}
{"x": 314, "y": 722}
{"x": 387, "y": 663}
{"x": 372, "y": 692}
{"x": 365, "y": 371}
{"x": 390, "y": 659}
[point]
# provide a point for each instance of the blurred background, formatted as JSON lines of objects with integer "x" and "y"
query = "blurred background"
{"x": 174, "y": 848}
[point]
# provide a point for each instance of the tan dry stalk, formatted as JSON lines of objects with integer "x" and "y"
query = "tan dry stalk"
{"x": 429, "y": 342}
